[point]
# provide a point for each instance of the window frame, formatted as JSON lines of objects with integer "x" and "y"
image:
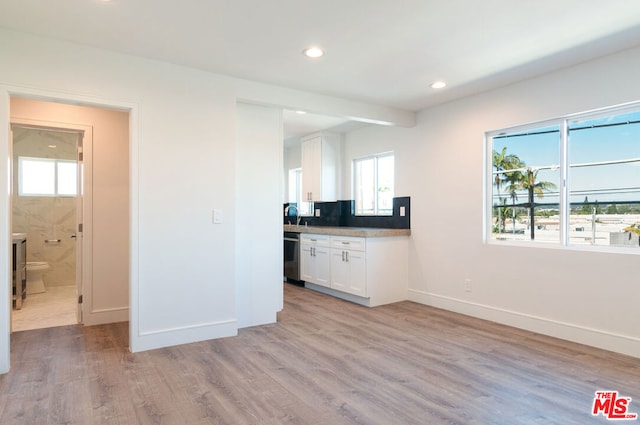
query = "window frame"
{"x": 376, "y": 158}
{"x": 563, "y": 190}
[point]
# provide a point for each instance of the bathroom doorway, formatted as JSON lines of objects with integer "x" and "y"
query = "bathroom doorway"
{"x": 47, "y": 195}
{"x": 103, "y": 244}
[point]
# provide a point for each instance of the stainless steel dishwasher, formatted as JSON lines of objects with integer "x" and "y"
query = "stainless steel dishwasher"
{"x": 292, "y": 256}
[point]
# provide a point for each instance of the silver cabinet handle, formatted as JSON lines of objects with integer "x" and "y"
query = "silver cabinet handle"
{"x": 342, "y": 255}
{"x": 52, "y": 241}
{"x": 347, "y": 256}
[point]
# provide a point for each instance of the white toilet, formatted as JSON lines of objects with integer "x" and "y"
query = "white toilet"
{"x": 35, "y": 284}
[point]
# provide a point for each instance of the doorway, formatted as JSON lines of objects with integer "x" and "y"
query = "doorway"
{"x": 46, "y": 197}
{"x": 102, "y": 215}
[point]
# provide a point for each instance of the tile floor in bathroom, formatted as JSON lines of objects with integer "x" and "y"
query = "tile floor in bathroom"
{"x": 55, "y": 307}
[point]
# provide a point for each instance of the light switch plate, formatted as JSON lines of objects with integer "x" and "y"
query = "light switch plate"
{"x": 217, "y": 216}
{"x": 317, "y": 212}
{"x": 402, "y": 211}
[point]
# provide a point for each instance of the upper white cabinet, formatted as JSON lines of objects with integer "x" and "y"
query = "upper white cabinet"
{"x": 320, "y": 167}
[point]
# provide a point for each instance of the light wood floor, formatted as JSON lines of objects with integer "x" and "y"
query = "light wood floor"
{"x": 326, "y": 361}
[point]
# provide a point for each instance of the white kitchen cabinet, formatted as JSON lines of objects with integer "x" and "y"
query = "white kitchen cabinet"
{"x": 348, "y": 265}
{"x": 370, "y": 271}
{"x": 315, "y": 260}
{"x": 320, "y": 167}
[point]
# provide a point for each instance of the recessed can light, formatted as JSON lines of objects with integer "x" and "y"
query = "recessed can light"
{"x": 313, "y": 52}
{"x": 438, "y": 85}
{"x": 300, "y": 112}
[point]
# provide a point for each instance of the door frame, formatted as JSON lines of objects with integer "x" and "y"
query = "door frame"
{"x": 56, "y": 96}
{"x": 84, "y": 199}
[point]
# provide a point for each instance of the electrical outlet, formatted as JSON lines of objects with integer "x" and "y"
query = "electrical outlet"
{"x": 317, "y": 212}
{"x": 403, "y": 212}
{"x": 467, "y": 285}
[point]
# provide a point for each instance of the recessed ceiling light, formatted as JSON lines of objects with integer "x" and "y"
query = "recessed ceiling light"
{"x": 52, "y": 146}
{"x": 313, "y": 52}
{"x": 438, "y": 85}
{"x": 300, "y": 112}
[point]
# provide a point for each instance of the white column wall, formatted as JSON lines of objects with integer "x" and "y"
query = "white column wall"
{"x": 259, "y": 251}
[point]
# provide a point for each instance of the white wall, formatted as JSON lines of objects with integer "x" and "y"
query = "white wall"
{"x": 183, "y": 165}
{"x": 589, "y": 297}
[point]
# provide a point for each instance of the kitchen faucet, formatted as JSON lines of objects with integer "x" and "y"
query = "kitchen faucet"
{"x": 286, "y": 213}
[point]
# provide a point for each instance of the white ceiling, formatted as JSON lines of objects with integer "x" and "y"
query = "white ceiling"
{"x": 378, "y": 51}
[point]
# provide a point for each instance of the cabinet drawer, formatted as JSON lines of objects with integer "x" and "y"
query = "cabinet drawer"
{"x": 348, "y": 242}
{"x": 312, "y": 239}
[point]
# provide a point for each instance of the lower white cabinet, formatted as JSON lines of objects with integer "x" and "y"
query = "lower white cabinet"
{"x": 315, "y": 261}
{"x": 348, "y": 265}
{"x": 366, "y": 270}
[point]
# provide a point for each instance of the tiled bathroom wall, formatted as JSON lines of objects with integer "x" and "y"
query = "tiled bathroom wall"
{"x": 46, "y": 217}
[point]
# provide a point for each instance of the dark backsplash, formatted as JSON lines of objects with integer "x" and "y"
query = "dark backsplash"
{"x": 340, "y": 213}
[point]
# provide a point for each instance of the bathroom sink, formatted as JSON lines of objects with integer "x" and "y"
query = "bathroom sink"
{"x": 18, "y": 236}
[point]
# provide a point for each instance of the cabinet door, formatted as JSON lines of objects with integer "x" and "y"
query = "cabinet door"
{"x": 357, "y": 273}
{"x": 307, "y": 272}
{"x": 311, "y": 169}
{"x": 322, "y": 266}
{"x": 339, "y": 270}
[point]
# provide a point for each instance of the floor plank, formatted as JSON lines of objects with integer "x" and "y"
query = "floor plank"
{"x": 326, "y": 361}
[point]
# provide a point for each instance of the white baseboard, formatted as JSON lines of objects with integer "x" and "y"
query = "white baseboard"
{"x": 102, "y": 317}
{"x": 596, "y": 338}
{"x": 160, "y": 338}
{"x": 338, "y": 294}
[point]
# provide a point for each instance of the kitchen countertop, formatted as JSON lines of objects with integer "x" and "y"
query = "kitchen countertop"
{"x": 367, "y": 232}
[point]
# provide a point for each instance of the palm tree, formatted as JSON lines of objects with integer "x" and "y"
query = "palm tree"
{"x": 528, "y": 181}
{"x": 502, "y": 162}
{"x": 513, "y": 178}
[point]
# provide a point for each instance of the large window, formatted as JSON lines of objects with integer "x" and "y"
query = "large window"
{"x": 572, "y": 181}
{"x": 373, "y": 184}
{"x": 47, "y": 177}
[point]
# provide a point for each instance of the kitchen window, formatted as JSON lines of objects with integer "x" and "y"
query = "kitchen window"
{"x": 573, "y": 181}
{"x": 373, "y": 179}
{"x": 47, "y": 177}
{"x": 295, "y": 193}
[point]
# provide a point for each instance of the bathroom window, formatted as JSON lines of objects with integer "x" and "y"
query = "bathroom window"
{"x": 373, "y": 184}
{"x": 47, "y": 177}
